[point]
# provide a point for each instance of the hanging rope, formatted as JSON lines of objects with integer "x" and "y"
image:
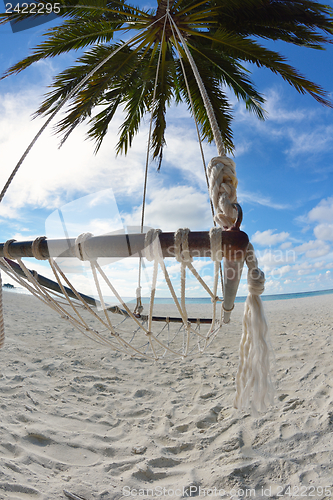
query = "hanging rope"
{"x": 198, "y": 134}
{"x": 208, "y": 105}
{"x": 222, "y": 189}
{"x": 139, "y": 307}
{"x": 253, "y": 372}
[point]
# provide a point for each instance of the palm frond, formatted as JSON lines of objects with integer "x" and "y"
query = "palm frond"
{"x": 221, "y": 35}
{"x": 242, "y": 48}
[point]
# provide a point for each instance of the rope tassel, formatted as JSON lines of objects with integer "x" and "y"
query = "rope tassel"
{"x": 253, "y": 370}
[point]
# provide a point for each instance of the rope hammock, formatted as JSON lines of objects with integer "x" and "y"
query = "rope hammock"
{"x": 180, "y": 336}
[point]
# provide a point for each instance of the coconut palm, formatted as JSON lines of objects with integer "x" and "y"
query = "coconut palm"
{"x": 218, "y": 37}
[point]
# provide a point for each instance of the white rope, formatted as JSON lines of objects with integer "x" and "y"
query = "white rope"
{"x": 198, "y": 132}
{"x": 193, "y": 111}
{"x": 6, "y": 252}
{"x": 253, "y": 377}
{"x": 183, "y": 256}
{"x": 139, "y": 306}
{"x": 208, "y": 105}
{"x": 36, "y": 251}
{"x": 79, "y": 246}
{"x": 222, "y": 189}
{"x": 154, "y": 253}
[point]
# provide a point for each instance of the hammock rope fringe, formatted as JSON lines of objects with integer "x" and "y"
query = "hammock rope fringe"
{"x": 180, "y": 336}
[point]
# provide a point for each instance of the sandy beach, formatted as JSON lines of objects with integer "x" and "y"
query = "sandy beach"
{"x": 77, "y": 417}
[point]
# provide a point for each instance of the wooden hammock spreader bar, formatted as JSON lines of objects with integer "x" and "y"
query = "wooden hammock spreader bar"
{"x": 234, "y": 244}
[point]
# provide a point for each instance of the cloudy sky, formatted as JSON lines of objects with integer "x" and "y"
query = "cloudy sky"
{"x": 284, "y": 168}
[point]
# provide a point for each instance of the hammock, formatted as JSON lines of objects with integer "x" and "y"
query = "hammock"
{"x": 145, "y": 339}
{"x": 181, "y": 335}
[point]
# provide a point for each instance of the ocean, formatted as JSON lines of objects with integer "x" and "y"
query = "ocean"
{"x": 206, "y": 300}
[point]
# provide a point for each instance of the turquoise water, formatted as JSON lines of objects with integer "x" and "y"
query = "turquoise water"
{"x": 207, "y": 300}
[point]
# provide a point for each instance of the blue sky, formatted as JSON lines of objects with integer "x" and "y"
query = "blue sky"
{"x": 284, "y": 168}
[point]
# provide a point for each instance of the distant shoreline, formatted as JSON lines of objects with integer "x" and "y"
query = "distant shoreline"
{"x": 206, "y": 300}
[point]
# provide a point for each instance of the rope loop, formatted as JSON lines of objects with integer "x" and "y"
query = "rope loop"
{"x": 182, "y": 251}
{"x": 80, "y": 244}
{"x": 36, "y": 251}
{"x": 227, "y": 310}
{"x": 215, "y": 236}
{"x": 153, "y": 250}
{"x": 6, "y": 252}
{"x": 139, "y": 307}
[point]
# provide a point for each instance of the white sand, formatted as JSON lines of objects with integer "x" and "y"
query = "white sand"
{"x": 77, "y": 417}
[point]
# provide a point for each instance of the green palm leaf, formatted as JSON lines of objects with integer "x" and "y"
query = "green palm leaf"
{"x": 220, "y": 35}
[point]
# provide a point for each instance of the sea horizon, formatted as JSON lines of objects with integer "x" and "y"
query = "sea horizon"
{"x": 203, "y": 300}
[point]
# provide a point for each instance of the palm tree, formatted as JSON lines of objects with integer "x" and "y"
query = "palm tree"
{"x": 216, "y": 37}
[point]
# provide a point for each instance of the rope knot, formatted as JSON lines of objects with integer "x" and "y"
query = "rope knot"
{"x": 153, "y": 249}
{"x": 182, "y": 251}
{"x": 256, "y": 281}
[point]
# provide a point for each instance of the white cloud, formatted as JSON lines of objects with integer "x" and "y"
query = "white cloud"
{"x": 259, "y": 199}
{"x": 50, "y": 177}
{"x": 310, "y": 142}
{"x": 171, "y": 208}
{"x": 284, "y": 270}
{"x": 278, "y": 112}
{"x": 313, "y": 249}
{"x": 324, "y": 232}
{"x": 269, "y": 259}
{"x": 320, "y": 264}
{"x": 286, "y": 245}
{"x": 323, "y": 212}
{"x": 268, "y": 237}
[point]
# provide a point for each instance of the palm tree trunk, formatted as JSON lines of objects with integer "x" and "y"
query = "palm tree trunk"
{"x": 162, "y": 8}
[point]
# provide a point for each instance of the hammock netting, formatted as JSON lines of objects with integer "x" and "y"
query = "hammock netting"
{"x": 123, "y": 327}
